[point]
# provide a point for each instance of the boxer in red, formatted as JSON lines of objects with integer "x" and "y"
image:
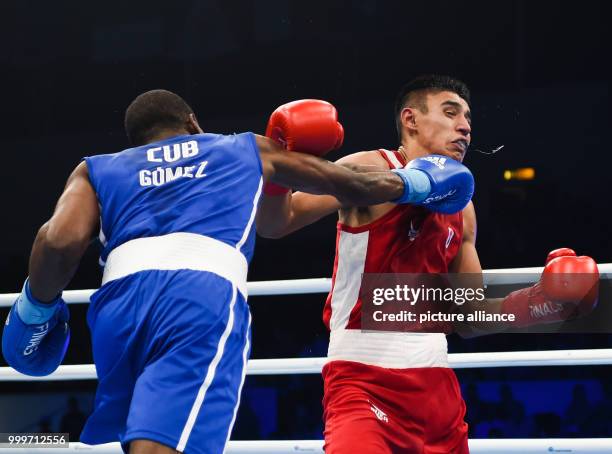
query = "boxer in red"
{"x": 393, "y": 392}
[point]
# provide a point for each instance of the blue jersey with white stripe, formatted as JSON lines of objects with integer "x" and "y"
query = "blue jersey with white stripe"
{"x": 208, "y": 184}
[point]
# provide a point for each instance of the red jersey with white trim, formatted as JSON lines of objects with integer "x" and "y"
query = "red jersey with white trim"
{"x": 407, "y": 239}
{"x": 395, "y": 389}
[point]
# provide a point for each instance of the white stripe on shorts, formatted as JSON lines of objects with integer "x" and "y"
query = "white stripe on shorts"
{"x": 210, "y": 375}
{"x": 245, "y": 352}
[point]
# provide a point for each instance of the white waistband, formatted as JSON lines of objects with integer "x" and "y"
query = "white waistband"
{"x": 178, "y": 251}
{"x": 387, "y": 349}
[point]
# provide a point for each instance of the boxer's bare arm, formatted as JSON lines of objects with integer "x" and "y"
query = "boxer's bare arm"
{"x": 467, "y": 263}
{"x": 317, "y": 176}
{"x": 467, "y": 260}
{"x": 281, "y": 215}
{"x": 63, "y": 239}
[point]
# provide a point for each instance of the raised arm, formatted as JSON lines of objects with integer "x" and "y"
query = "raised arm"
{"x": 318, "y": 176}
{"x": 282, "y": 214}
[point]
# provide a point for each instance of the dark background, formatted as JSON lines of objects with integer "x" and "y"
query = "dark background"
{"x": 540, "y": 85}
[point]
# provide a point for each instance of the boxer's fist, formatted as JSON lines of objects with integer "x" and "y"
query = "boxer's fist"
{"x": 437, "y": 182}
{"x": 561, "y": 252}
{"x": 36, "y": 349}
{"x": 568, "y": 288}
{"x": 573, "y": 280}
{"x": 308, "y": 126}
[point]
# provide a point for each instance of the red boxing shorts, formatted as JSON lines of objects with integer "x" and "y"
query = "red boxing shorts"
{"x": 370, "y": 409}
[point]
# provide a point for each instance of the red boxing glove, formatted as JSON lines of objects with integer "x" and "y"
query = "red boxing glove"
{"x": 568, "y": 288}
{"x": 561, "y": 252}
{"x": 308, "y": 126}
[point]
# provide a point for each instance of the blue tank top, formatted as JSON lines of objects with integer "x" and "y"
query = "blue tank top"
{"x": 208, "y": 184}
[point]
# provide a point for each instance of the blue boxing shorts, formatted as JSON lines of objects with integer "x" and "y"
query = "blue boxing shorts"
{"x": 170, "y": 349}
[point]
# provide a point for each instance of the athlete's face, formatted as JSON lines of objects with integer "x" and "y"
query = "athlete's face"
{"x": 446, "y": 127}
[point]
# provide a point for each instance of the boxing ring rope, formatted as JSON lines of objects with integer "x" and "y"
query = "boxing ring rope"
{"x": 292, "y": 366}
{"x": 314, "y": 365}
{"x": 323, "y": 285}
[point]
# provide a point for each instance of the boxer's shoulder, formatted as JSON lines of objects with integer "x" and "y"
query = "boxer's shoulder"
{"x": 365, "y": 158}
{"x": 265, "y": 144}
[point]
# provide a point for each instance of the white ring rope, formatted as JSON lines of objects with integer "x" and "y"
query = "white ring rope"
{"x": 477, "y": 446}
{"x": 323, "y": 285}
{"x": 257, "y": 288}
{"x": 285, "y": 366}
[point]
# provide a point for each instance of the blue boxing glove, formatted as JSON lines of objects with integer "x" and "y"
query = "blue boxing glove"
{"x": 36, "y": 334}
{"x": 437, "y": 182}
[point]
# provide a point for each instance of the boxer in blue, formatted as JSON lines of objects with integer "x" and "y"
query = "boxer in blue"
{"x": 170, "y": 324}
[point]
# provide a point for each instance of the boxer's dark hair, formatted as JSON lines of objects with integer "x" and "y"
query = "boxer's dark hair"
{"x": 152, "y": 112}
{"x": 414, "y": 94}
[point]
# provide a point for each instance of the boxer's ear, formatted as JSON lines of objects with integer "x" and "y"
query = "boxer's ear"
{"x": 408, "y": 118}
{"x": 193, "y": 127}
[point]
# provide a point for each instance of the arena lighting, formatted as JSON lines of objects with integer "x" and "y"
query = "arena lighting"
{"x": 523, "y": 174}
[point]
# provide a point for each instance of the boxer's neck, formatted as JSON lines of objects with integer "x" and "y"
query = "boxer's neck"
{"x": 410, "y": 153}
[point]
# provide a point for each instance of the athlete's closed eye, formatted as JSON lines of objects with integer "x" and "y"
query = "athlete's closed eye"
{"x": 453, "y": 108}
